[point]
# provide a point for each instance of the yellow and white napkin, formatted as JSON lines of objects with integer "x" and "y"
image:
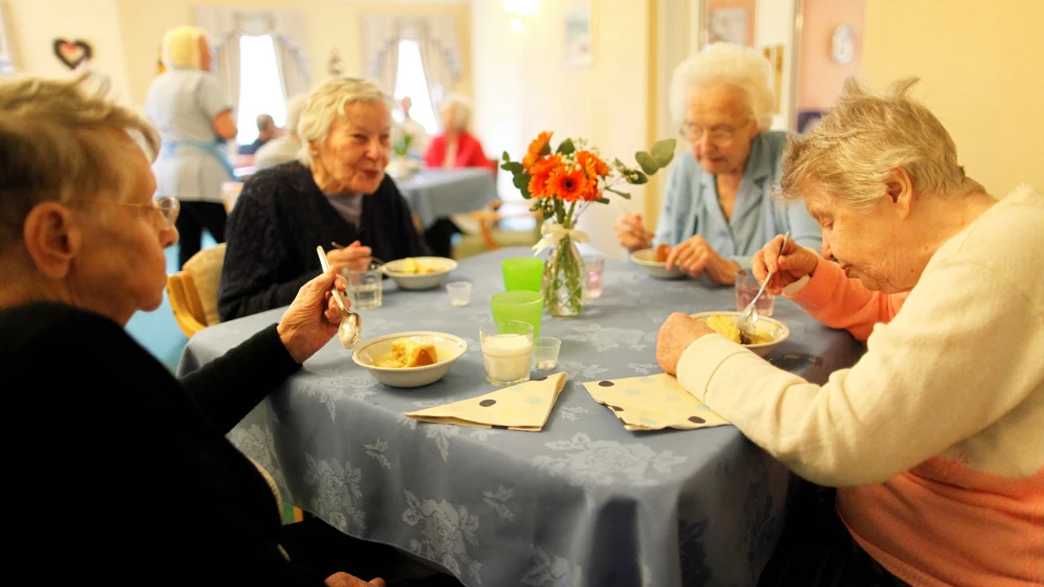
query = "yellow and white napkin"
{"x": 652, "y": 403}
{"x": 525, "y": 406}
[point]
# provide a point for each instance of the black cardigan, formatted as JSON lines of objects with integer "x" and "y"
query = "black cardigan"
{"x": 276, "y": 224}
{"x": 119, "y": 474}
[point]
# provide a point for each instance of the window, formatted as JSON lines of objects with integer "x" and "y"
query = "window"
{"x": 411, "y": 81}
{"x": 260, "y": 89}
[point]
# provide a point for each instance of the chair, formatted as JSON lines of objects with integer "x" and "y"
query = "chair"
{"x": 193, "y": 291}
{"x": 500, "y": 225}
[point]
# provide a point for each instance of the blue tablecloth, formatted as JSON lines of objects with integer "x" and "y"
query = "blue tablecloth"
{"x": 584, "y": 502}
{"x": 434, "y": 193}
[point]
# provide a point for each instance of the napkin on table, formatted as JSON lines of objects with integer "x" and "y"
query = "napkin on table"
{"x": 525, "y": 406}
{"x": 653, "y": 402}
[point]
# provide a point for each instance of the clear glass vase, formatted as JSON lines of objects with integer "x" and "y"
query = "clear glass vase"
{"x": 563, "y": 284}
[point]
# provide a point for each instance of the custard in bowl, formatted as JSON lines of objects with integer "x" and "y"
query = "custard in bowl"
{"x": 409, "y": 359}
{"x": 419, "y": 272}
{"x": 769, "y": 331}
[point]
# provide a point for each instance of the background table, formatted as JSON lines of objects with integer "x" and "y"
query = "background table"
{"x": 583, "y": 502}
{"x": 434, "y": 193}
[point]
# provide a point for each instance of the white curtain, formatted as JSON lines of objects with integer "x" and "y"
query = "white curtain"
{"x": 225, "y": 25}
{"x": 439, "y": 43}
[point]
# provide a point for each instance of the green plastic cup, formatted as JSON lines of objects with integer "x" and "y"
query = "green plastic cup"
{"x": 524, "y": 306}
{"x": 522, "y": 273}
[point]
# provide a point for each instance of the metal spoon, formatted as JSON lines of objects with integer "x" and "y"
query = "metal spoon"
{"x": 747, "y": 320}
{"x": 351, "y": 327}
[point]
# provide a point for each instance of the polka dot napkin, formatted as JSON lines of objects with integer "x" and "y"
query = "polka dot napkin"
{"x": 652, "y": 403}
{"x": 525, "y": 406}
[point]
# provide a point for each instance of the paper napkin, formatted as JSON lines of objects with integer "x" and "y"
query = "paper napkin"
{"x": 525, "y": 406}
{"x": 652, "y": 403}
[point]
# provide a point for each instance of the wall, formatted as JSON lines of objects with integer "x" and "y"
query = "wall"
{"x": 980, "y": 69}
{"x": 819, "y": 77}
{"x": 523, "y": 87}
{"x": 34, "y": 24}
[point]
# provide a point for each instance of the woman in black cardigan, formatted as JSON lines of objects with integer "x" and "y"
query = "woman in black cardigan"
{"x": 337, "y": 193}
{"x": 122, "y": 474}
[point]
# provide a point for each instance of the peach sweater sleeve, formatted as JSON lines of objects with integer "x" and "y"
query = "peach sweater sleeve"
{"x": 841, "y": 302}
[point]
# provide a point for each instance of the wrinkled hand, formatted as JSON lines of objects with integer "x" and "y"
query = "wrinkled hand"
{"x": 695, "y": 256}
{"x": 631, "y": 232}
{"x": 346, "y": 580}
{"x": 791, "y": 265}
{"x": 676, "y": 334}
{"x": 312, "y": 317}
{"x": 354, "y": 257}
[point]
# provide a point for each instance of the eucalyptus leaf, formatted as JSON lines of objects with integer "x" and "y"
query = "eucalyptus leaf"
{"x": 566, "y": 147}
{"x": 644, "y": 159}
{"x": 513, "y": 167}
{"x": 521, "y": 181}
{"x": 663, "y": 152}
{"x": 507, "y": 158}
{"x": 624, "y": 195}
{"x": 602, "y": 200}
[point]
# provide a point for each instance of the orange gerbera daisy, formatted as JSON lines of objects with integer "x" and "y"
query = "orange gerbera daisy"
{"x": 539, "y": 174}
{"x": 568, "y": 184}
{"x": 535, "y": 149}
{"x": 594, "y": 166}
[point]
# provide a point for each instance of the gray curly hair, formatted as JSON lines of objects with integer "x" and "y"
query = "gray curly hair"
{"x": 853, "y": 150}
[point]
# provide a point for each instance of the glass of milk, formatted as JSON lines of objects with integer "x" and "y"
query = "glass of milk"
{"x": 507, "y": 351}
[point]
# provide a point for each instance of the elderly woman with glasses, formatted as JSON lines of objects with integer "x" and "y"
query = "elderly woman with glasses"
{"x": 718, "y": 209}
{"x": 125, "y": 472}
{"x": 336, "y": 192}
{"x": 933, "y": 439}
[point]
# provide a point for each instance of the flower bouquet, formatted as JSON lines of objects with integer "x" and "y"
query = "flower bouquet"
{"x": 562, "y": 183}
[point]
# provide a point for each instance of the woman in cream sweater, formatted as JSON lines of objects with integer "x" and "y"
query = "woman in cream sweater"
{"x": 934, "y": 438}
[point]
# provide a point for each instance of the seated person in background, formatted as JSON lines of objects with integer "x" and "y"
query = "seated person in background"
{"x": 455, "y": 147}
{"x": 337, "y": 192}
{"x": 81, "y": 245}
{"x": 266, "y": 131}
{"x": 933, "y": 438}
{"x": 285, "y": 147}
{"x": 719, "y": 207}
{"x": 419, "y": 139}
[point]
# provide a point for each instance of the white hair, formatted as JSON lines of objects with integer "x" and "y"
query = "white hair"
{"x": 853, "y": 151}
{"x": 742, "y": 67}
{"x": 462, "y": 114}
{"x": 326, "y": 104}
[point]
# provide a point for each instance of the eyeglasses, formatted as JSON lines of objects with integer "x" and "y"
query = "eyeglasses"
{"x": 167, "y": 207}
{"x": 719, "y": 135}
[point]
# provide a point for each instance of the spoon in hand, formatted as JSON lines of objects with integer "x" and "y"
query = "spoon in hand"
{"x": 351, "y": 326}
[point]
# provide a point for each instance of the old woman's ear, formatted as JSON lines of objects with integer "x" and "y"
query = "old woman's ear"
{"x": 52, "y": 239}
{"x": 899, "y": 187}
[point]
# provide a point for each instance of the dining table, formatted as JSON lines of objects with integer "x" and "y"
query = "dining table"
{"x": 434, "y": 193}
{"x": 582, "y": 502}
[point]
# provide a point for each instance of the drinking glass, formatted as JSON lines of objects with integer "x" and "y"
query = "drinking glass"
{"x": 507, "y": 351}
{"x": 746, "y": 288}
{"x": 525, "y": 306}
{"x": 365, "y": 289}
{"x": 522, "y": 273}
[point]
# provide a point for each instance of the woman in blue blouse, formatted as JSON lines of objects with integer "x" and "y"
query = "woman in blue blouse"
{"x": 719, "y": 207}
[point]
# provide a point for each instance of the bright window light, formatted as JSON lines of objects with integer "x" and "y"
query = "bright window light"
{"x": 260, "y": 91}
{"x": 411, "y": 81}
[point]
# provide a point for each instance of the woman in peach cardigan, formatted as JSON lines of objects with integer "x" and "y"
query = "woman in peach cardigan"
{"x": 934, "y": 438}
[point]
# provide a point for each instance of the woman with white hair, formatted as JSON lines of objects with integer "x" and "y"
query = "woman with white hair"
{"x": 933, "y": 439}
{"x": 456, "y": 147}
{"x": 337, "y": 192}
{"x": 718, "y": 209}
{"x": 193, "y": 117}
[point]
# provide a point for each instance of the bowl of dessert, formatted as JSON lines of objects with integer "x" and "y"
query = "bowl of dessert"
{"x": 654, "y": 260}
{"x": 768, "y": 332}
{"x": 409, "y": 359}
{"x": 419, "y": 272}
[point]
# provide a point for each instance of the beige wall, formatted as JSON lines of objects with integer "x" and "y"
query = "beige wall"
{"x": 819, "y": 77}
{"x": 980, "y": 69}
{"x": 523, "y": 87}
{"x": 34, "y": 24}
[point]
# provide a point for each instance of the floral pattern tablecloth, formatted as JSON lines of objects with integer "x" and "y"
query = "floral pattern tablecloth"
{"x": 584, "y": 502}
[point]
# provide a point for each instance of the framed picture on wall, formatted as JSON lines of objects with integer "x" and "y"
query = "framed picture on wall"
{"x": 728, "y": 21}
{"x": 6, "y": 57}
{"x": 577, "y": 38}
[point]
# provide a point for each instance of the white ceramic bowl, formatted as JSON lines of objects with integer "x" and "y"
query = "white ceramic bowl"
{"x": 764, "y": 325}
{"x": 448, "y": 347}
{"x": 441, "y": 265}
{"x": 658, "y": 269}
